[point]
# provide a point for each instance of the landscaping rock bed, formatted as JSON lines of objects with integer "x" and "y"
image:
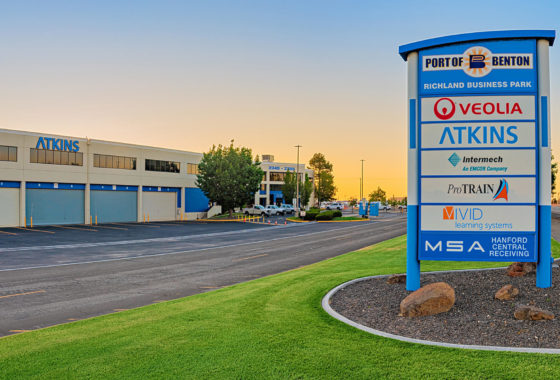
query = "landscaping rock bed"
{"x": 477, "y": 318}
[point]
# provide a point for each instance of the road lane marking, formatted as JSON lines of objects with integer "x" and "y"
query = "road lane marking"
{"x": 32, "y": 230}
{"x": 76, "y": 228}
{"x": 23, "y": 294}
{"x": 251, "y": 257}
{"x": 7, "y": 233}
{"x": 173, "y": 238}
{"x": 19, "y": 331}
{"x": 72, "y": 319}
{"x": 166, "y": 253}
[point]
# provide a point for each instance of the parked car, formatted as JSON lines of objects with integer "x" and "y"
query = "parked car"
{"x": 385, "y": 207}
{"x": 288, "y": 209}
{"x": 275, "y": 210}
{"x": 335, "y": 206}
{"x": 402, "y": 207}
{"x": 256, "y": 210}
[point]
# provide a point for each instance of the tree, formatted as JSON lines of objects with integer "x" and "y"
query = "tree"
{"x": 324, "y": 186}
{"x": 553, "y": 173}
{"x": 306, "y": 188}
{"x": 326, "y": 189}
{"x": 229, "y": 176}
{"x": 289, "y": 187}
{"x": 378, "y": 195}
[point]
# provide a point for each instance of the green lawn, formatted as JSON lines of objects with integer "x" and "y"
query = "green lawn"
{"x": 348, "y": 218}
{"x": 226, "y": 216}
{"x": 267, "y": 328}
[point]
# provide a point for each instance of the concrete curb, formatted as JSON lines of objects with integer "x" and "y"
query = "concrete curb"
{"x": 325, "y": 303}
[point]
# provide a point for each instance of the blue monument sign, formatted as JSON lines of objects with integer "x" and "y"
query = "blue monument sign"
{"x": 479, "y": 150}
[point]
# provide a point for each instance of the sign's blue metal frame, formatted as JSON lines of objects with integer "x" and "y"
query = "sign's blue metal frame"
{"x": 437, "y": 68}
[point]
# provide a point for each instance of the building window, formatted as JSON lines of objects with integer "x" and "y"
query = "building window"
{"x": 263, "y": 187}
{"x": 192, "y": 168}
{"x": 114, "y": 162}
{"x": 8, "y": 153}
{"x": 163, "y": 166}
{"x": 275, "y": 187}
{"x": 55, "y": 157}
{"x": 277, "y": 176}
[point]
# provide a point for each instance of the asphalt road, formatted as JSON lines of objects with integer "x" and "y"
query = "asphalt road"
{"x": 74, "y": 274}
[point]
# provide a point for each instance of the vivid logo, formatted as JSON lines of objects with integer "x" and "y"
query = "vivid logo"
{"x": 448, "y": 213}
{"x": 462, "y": 213}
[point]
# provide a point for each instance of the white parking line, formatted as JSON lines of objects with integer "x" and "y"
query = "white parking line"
{"x": 186, "y": 251}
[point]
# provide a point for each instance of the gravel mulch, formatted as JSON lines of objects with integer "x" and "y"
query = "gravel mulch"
{"x": 475, "y": 319}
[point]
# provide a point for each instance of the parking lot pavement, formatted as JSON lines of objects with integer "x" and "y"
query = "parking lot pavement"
{"x": 47, "y": 285}
{"x": 67, "y": 234}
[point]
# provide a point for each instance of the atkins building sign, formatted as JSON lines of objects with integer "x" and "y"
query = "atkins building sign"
{"x": 479, "y": 150}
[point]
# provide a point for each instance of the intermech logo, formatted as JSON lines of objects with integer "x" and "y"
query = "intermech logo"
{"x": 454, "y": 159}
{"x": 445, "y": 108}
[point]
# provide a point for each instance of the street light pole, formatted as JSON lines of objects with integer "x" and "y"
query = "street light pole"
{"x": 362, "y": 182}
{"x": 297, "y": 179}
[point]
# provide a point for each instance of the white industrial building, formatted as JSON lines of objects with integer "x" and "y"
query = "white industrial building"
{"x": 47, "y": 179}
{"x": 271, "y": 186}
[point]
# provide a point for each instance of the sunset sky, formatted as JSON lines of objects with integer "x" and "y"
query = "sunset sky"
{"x": 269, "y": 74}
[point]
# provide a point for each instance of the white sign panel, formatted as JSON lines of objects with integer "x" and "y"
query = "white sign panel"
{"x": 478, "y": 162}
{"x": 478, "y": 218}
{"x": 459, "y": 108}
{"x": 478, "y": 135}
{"x": 478, "y": 190}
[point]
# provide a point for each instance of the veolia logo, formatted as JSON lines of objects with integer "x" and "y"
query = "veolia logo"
{"x": 444, "y": 108}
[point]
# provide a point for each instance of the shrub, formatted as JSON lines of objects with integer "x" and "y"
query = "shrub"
{"x": 337, "y": 214}
{"x": 311, "y": 215}
{"x": 325, "y": 215}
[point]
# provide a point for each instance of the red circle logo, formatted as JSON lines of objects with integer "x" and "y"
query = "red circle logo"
{"x": 445, "y": 110}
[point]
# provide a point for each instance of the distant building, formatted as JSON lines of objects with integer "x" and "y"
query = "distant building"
{"x": 271, "y": 186}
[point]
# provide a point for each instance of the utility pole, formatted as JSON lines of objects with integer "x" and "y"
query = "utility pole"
{"x": 297, "y": 179}
{"x": 362, "y": 182}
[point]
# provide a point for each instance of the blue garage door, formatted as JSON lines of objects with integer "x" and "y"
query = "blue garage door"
{"x": 54, "y": 206}
{"x": 113, "y": 206}
{"x": 195, "y": 200}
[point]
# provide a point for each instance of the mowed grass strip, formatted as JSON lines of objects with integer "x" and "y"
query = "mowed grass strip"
{"x": 267, "y": 328}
